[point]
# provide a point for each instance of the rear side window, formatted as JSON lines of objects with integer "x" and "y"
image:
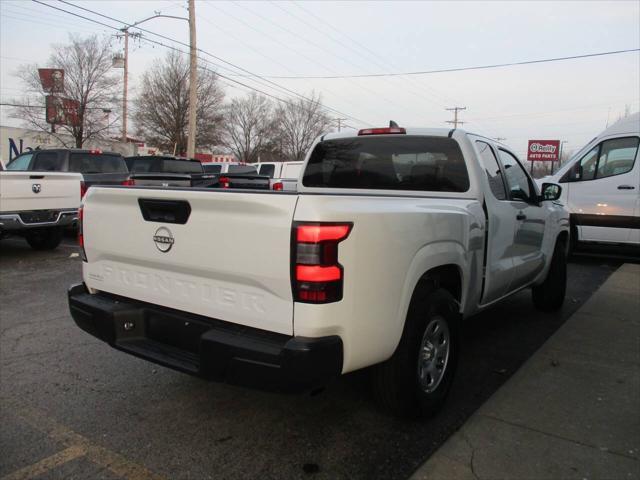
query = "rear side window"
{"x": 267, "y": 170}
{"x": 140, "y": 165}
{"x": 242, "y": 169}
{"x": 492, "y": 169}
{"x": 97, "y": 163}
{"x": 212, "y": 167}
{"x": 434, "y": 164}
{"x": 181, "y": 166}
{"x": 21, "y": 162}
{"x": 48, "y": 162}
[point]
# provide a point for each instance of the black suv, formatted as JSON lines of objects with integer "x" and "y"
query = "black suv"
{"x": 97, "y": 167}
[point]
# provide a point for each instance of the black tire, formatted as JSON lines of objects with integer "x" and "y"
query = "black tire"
{"x": 549, "y": 295}
{"x": 44, "y": 238}
{"x": 396, "y": 384}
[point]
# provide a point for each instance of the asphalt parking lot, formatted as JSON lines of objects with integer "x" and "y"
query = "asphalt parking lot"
{"x": 72, "y": 407}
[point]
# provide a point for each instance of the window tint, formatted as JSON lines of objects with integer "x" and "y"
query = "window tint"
{"x": 491, "y": 167}
{"x": 431, "y": 164}
{"x": 97, "y": 163}
{"x": 586, "y": 167}
{"x": 517, "y": 178}
{"x": 140, "y": 165}
{"x": 181, "y": 166}
{"x": 212, "y": 167}
{"x": 48, "y": 162}
{"x": 248, "y": 169}
{"x": 617, "y": 156}
{"x": 21, "y": 162}
{"x": 267, "y": 170}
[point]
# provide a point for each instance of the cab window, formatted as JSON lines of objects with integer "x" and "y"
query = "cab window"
{"x": 617, "y": 156}
{"x": 607, "y": 159}
{"x": 517, "y": 178}
{"x": 492, "y": 169}
{"x": 48, "y": 162}
{"x": 21, "y": 163}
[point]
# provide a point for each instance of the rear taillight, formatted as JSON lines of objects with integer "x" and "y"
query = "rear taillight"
{"x": 129, "y": 182}
{"x": 83, "y": 255}
{"x": 224, "y": 182}
{"x": 382, "y": 131}
{"x": 317, "y": 275}
{"x": 278, "y": 186}
{"x": 95, "y": 151}
{"x": 83, "y": 189}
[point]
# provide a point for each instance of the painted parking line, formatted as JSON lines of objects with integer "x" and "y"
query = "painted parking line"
{"x": 46, "y": 464}
{"x": 77, "y": 445}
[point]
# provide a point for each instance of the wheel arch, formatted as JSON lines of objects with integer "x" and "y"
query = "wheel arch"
{"x": 441, "y": 265}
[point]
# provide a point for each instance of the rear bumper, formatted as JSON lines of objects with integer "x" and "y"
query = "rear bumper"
{"x": 207, "y": 347}
{"x": 30, "y": 219}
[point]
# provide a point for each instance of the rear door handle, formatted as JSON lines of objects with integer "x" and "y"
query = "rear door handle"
{"x": 521, "y": 216}
{"x": 626, "y": 187}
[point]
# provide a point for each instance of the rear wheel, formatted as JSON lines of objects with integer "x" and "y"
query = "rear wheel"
{"x": 549, "y": 296}
{"x": 44, "y": 238}
{"x": 416, "y": 379}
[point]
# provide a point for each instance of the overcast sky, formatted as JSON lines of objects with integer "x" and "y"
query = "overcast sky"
{"x": 569, "y": 100}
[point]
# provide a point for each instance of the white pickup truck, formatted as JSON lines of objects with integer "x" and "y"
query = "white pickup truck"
{"x": 37, "y": 205}
{"x": 392, "y": 238}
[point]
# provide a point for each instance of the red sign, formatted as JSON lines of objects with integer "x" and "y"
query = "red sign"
{"x": 62, "y": 111}
{"x": 52, "y": 79}
{"x": 543, "y": 150}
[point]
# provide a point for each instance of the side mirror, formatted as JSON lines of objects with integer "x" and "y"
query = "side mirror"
{"x": 550, "y": 191}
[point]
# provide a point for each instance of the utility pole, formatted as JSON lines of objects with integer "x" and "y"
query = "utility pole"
{"x": 339, "y": 120}
{"x": 193, "y": 81}
{"x": 455, "y": 120}
{"x": 126, "y": 84}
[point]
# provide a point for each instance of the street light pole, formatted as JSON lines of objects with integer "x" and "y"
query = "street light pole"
{"x": 193, "y": 81}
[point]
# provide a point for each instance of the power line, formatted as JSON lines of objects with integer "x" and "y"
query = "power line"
{"x": 457, "y": 69}
{"x": 187, "y": 45}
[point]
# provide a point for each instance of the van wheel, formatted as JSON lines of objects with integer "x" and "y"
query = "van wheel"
{"x": 415, "y": 381}
{"x": 549, "y": 296}
{"x": 44, "y": 238}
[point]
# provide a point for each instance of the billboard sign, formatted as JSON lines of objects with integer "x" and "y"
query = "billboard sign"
{"x": 62, "y": 111}
{"x": 543, "y": 150}
{"x": 52, "y": 79}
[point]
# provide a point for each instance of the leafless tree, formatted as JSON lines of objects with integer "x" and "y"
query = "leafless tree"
{"x": 87, "y": 64}
{"x": 299, "y": 123}
{"x": 161, "y": 109}
{"x": 248, "y": 127}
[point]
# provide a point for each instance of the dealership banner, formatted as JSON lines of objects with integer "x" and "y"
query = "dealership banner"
{"x": 543, "y": 150}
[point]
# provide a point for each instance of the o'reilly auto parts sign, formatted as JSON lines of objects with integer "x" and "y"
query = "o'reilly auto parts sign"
{"x": 543, "y": 150}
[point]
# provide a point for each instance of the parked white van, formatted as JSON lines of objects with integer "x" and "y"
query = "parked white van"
{"x": 601, "y": 186}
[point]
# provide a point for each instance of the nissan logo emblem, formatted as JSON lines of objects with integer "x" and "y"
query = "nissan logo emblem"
{"x": 36, "y": 188}
{"x": 163, "y": 239}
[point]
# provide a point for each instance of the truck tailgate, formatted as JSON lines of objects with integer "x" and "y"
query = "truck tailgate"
{"x": 21, "y": 191}
{"x": 221, "y": 254}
